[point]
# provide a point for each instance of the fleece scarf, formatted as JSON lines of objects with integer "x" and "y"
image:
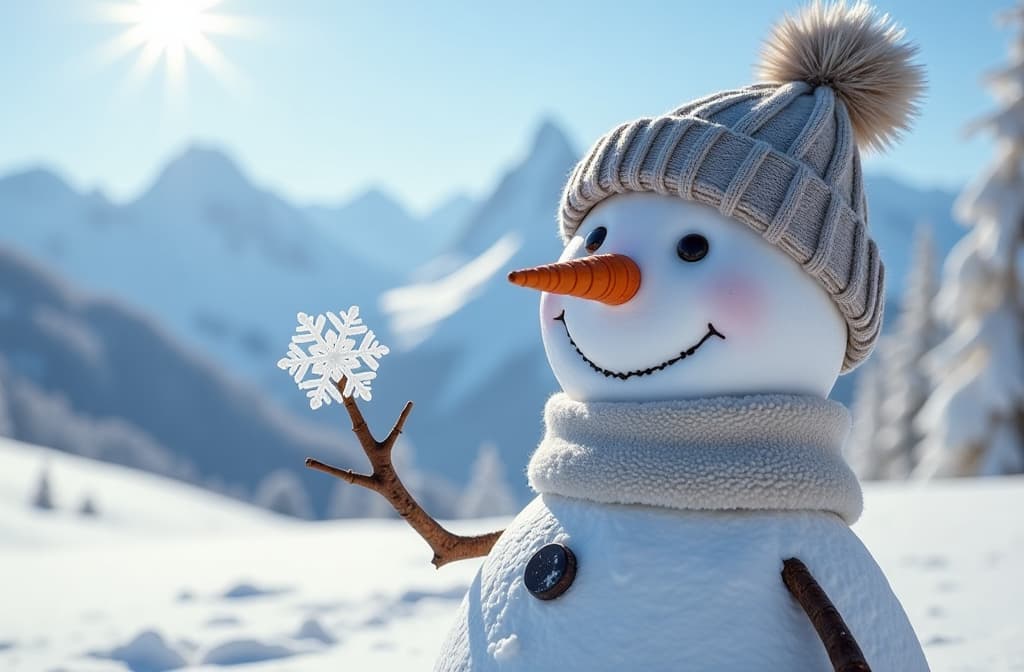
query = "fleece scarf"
{"x": 763, "y": 452}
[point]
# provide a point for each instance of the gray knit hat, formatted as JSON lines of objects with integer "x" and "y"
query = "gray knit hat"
{"x": 781, "y": 156}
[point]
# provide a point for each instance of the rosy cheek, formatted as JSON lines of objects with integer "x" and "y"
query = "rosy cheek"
{"x": 735, "y": 302}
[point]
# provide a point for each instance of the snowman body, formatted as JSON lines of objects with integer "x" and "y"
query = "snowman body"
{"x": 666, "y": 589}
{"x": 682, "y": 484}
{"x": 718, "y": 275}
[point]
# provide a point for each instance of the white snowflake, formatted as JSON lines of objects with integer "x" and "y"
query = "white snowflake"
{"x": 331, "y": 355}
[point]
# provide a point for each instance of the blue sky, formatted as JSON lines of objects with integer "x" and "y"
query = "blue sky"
{"x": 426, "y": 99}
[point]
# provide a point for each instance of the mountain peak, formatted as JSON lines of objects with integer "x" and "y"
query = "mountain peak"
{"x": 204, "y": 167}
{"x": 378, "y": 200}
{"x": 550, "y": 140}
{"x": 36, "y": 182}
{"x": 527, "y": 195}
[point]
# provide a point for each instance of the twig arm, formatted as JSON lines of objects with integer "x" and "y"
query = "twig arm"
{"x": 447, "y": 546}
{"x": 839, "y": 642}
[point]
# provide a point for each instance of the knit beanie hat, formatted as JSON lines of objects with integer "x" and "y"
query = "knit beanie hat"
{"x": 782, "y": 156}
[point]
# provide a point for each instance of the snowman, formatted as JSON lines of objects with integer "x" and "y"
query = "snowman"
{"x": 693, "y": 505}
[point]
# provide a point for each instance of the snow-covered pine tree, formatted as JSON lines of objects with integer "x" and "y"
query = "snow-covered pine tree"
{"x": 862, "y": 446}
{"x": 905, "y": 384}
{"x": 88, "y": 507}
{"x": 974, "y": 418}
{"x": 349, "y": 502}
{"x": 487, "y": 493}
{"x": 6, "y": 425}
{"x": 281, "y": 491}
{"x": 43, "y": 496}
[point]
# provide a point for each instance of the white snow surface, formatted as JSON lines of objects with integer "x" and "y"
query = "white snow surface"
{"x": 168, "y": 573}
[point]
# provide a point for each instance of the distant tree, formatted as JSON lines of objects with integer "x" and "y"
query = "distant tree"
{"x": 905, "y": 383}
{"x": 43, "y": 496}
{"x": 862, "y": 450}
{"x": 974, "y": 418}
{"x": 88, "y": 507}
{"x": 434, "y": 493}
{"x": 6, "y": 425}
{"x": 487, "y": 493}
{"x": 282, "y": 492}
{"x": 350, "y": 501}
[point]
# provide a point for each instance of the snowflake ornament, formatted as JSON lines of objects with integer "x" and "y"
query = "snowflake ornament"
{"x": 330, "y": 355}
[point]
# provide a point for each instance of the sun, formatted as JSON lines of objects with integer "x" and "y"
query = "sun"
{"x": 171, "y": 32}
{"x": 172, "y": 24}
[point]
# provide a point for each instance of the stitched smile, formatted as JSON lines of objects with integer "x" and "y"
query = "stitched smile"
{"x": 624, "y": 375}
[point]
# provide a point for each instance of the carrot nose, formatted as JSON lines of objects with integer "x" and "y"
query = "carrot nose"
{"x": 608, "y": 278}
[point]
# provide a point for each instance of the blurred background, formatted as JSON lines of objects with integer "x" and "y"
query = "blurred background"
{"x": 179, "y": 178}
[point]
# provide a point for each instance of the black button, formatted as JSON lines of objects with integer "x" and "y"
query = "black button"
{"x": 550, "y": 572}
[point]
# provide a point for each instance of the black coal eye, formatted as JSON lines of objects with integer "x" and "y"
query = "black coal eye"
{"x": 692, "y": 247}
{"x": 595, "y": 238}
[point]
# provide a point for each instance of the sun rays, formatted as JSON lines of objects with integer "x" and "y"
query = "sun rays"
{"x": 171, "y": 34}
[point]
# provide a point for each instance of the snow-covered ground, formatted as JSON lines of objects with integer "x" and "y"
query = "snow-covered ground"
{"x": 169, "y": 576}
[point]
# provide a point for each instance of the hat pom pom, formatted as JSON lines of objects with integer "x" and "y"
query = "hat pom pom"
{"x": 859, "y": 54}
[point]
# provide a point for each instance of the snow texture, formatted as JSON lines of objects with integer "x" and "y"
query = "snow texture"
{"x": 70, "y": 586}
{"x": 707, "y": 582}
{"x": 504, "y": 649}
{"x": 146, "y": 652}
{"x": 240, "y": 651}
{"x": 331, "y": 354}
{"x": 246, "y": 590}
{"x": 312, "y": 629}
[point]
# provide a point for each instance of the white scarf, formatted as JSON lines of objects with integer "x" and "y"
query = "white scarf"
{"x": 764, "y": 452}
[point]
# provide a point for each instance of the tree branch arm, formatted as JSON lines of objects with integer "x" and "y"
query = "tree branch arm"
{"x": 447, "y": 546}
{"x": 839, "y": 642}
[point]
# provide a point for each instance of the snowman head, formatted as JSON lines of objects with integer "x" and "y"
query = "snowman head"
{"x": 723, "y": 247}
{"x": 659, "y": 298}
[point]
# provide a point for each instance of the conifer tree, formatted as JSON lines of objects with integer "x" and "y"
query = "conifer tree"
{"x": 905, "y": 383}
{"x": 974, "y": 417}
{"x": 488, "y": 492}
{"x": 43, "y": 496}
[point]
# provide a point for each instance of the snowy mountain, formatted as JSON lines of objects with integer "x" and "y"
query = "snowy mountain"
{"x": 359, "y": 226}
{"x": 167, "y": 576}
{"x": 225, "y": 264}
{"x": 89, "y": 376}
{"x": 469, "y": 350}
{"x": 448, "y": 217}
